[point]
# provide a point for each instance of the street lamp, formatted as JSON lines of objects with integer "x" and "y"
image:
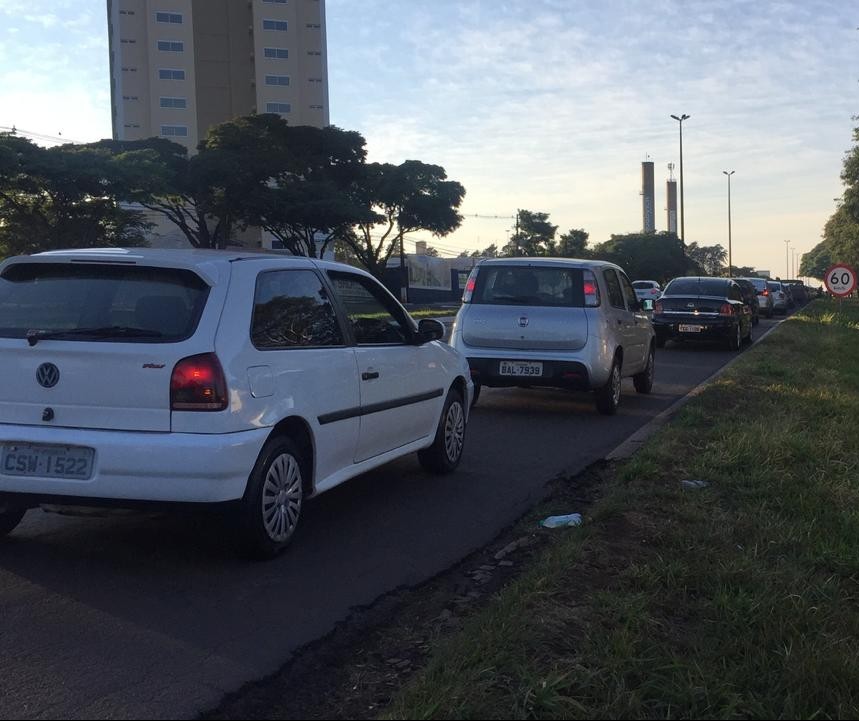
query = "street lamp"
{"x": 730, "y": 259}
{"x": 787, "y": 258}
{"x": 682, "y": 216}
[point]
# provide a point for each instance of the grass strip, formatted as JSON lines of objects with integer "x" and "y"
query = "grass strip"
{"x": 737, "y": 600}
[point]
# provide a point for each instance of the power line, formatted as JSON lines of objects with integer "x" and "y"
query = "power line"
{"x": 58, "y": 139}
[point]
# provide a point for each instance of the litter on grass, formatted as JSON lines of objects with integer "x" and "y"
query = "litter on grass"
{"x": 694, "y": 484}
{"x": 572, "y": 519}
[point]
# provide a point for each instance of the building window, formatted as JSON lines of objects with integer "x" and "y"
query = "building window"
{"x": 129, "y": 70}
{"x": 314, "y": 80}
{"x": 279, "y": 108}
{"x": 126, "y": 42}
{"x": 174, "y": 131}
{"x": 276, "y": 53}
{"x": 131, "y": 97}
{"x": 131, "y": 125}
{"x": 314, "y": 26}
{"x": 275, "y": 2}
{"x": 277, "y": 79}
{"x": 168, "y": 74}
{"x": 314, "y": 52}
{"x": 171, "y": 46}
{"x": 274, "y": 25}
{"x": 316, "y": 107}
{"x": 178, "y": 103}
{"x": 173, "y": 18}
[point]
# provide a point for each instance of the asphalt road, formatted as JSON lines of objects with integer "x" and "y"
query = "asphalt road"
{"x": 153, "y": 617}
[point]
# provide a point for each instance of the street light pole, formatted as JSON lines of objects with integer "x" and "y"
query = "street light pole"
{"x": 787, "y": 257}
{"x": 730, "y": 257}
{"x": 682, "y": 214}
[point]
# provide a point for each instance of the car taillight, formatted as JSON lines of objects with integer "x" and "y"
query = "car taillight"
{"x": 470, "y": 285}
{"x": 726, "y": 309}
{"x": 766, "y": 292}
{"x": 198, "y": 384}
{"x": 658, "y": 308}
{"x": 590, "y": 289}
{"x": 655, "y": 291}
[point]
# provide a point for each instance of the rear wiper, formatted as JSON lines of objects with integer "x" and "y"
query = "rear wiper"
{"x": 112, "y": 331}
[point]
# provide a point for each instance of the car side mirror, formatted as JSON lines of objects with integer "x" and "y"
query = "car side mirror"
{"x": 646, "y": 305}
{"x": 429, "y": 329}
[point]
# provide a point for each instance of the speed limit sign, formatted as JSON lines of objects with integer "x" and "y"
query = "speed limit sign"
{"x": 840, "y": 280}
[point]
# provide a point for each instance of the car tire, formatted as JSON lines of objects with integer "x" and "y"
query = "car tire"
{"x": 608, "y": 397}
{"x": 445, "y": 453}
{"x": 735, "y": 340}
{"x": 750, "y": 337}
{"x": 476, "y": 394}
{"x": 271, "y": 507}
{"x": 9, "y": 520}
{"x": 644, "y": 381}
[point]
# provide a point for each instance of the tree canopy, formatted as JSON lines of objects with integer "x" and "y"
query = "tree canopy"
{"x": 52, "y": 198}
{"x": 651, "y": 256}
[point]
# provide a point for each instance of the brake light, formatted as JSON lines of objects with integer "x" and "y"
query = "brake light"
{"x": 726, "y": 309}
{"x": 655, "y": 291}
{"x": 766, "y": 292}
{"x": 198, "y": 384}
{"x": 658, "y": 308}
{"x": 590, "y": 289}
{"x": 470, "y": 285}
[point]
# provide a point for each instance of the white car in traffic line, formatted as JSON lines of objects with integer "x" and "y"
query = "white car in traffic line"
{"x": 209, "y": 377}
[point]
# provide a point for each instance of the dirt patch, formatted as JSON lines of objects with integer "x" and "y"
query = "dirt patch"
{"x": 355, "y": 671}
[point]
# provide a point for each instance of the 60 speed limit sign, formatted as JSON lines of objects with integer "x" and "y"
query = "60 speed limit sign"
{"x": 840, "y": 280}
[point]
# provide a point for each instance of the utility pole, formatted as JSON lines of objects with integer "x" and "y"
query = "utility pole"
{"x": 682, "y": 214}
{"x": 787, "y": 258}
{"x": 730, "y": 259}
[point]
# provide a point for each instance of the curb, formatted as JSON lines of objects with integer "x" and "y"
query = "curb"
{"x": 633, "y": 444}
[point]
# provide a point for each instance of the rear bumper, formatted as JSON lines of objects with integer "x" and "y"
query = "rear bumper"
{"x": 149, "y": 467}
{"x": 711, "y": 328}
{"x": 556, "y": 374}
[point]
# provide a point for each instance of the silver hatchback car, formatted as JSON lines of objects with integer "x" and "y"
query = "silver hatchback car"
{"x": 562, "y": 323}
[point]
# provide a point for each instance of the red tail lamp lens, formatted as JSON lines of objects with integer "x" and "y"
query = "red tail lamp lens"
{"x": 726, "y": 309}
{"x": 658, "y": 308}
{"x": 198, "y": 384}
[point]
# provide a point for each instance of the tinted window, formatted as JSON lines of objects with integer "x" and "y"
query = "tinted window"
{"x": 372, "y": 312}
{"x": 529, "y": 285}
{"x": 628, "y": 292}
{"x": 643, "y": 285}
{"x": 774, "y": 286}
{"x": 74, "y": 296}
{"x": 292, "y": 309}
{"x": 697, "y": 286}
{"x": 759, "y": 284}
{"x": 734, "y": 292}
{"x": 615, "y": 294}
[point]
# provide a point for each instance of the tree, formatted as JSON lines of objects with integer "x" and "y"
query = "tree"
{"x": 710, "y": 259}
{"x": 488, "y": 252}
{"x": 301, "y": 183}
{"x": 62, "y": 197}
{"x": 651, "y": 256}
{"x": 534, "y": 237}
{"x": 573, "y": 244}
{"x": 402, "y": 199}
{"x": 816, "y": 262}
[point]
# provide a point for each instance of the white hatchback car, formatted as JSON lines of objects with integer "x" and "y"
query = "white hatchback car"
{"x": 207, "y": 377}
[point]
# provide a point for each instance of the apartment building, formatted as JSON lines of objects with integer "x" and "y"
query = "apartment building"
{"x": 178, "y": 67}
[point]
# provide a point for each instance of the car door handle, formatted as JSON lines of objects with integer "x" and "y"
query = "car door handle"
{"x": 369, "y": 375}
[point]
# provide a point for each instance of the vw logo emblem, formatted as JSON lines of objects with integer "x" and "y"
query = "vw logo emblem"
{"x": 523, "y": 321}
{"x": 48, "y": 375}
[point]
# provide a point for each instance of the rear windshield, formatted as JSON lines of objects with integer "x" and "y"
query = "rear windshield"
{"x": 527, "y": 285}
{"x": 759, "y": 284}
{"x": 643, "y": 284}
{"x": 697, "y": 286}
{"x": 84, "y": 301}
{"x": 774, "y": 286}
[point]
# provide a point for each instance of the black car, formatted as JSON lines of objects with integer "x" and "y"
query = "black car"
{"x": 750, "y": 297}
{"x": 703, "y": 309}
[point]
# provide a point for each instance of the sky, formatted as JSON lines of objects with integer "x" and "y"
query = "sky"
{"x": 545, "y": 105}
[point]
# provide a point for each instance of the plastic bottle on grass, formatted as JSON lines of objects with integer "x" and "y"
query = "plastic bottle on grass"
{"x": 572, "y": 519}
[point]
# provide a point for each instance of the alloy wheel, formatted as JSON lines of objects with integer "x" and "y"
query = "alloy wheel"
{"x": 282, "y": 497}
{"x": 454, "y": 431}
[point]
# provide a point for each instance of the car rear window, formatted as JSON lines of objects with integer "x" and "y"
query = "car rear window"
{"x": 697, "y": 286}
{"x": 643, "y": 285}
{"x": 759, "y": 284}
{"x": 89, "y": 301}
{"x": 528, "y": 285}
{"x": 774, "y": 286}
